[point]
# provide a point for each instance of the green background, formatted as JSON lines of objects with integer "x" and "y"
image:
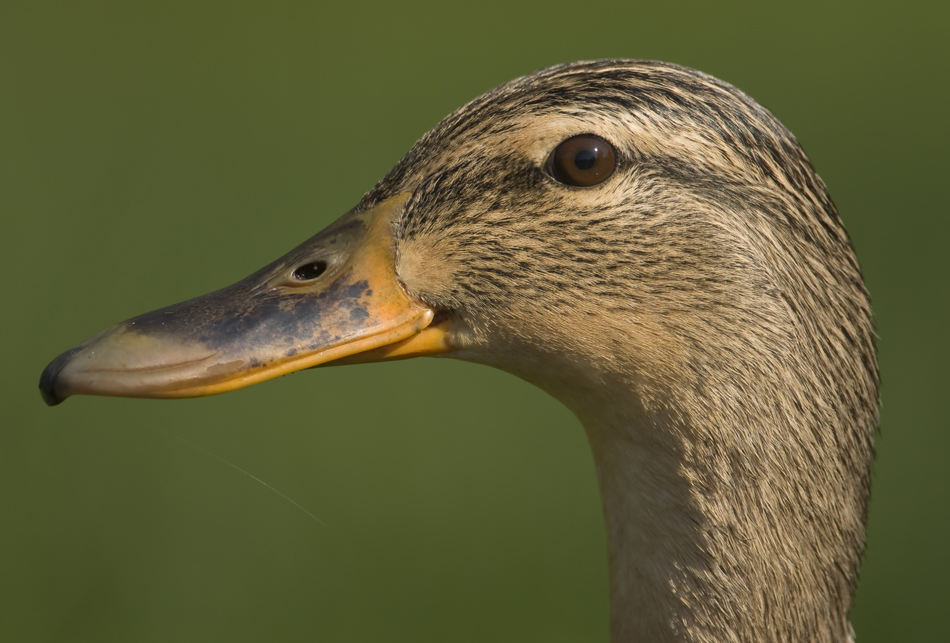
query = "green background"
{"x": 150, "y": 152}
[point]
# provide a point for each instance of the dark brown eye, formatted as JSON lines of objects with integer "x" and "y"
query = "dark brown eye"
{"x": 583, "y": 161}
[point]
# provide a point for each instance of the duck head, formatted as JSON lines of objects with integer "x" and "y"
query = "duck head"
{"x": 652, "y": 247}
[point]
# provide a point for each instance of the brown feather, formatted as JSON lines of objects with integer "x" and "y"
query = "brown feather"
{"x": 703, "y": 313}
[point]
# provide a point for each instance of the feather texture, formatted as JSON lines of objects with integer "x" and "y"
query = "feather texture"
{"x": 701, "y": 311}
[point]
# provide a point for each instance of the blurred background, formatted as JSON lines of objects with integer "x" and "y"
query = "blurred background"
{"x": 150, "y": 152}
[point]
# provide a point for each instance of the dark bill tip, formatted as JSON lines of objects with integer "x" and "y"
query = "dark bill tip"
{"x": 49, "y": 380}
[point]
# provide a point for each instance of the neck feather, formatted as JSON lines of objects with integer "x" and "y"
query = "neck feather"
{"x": 710, "y": 540}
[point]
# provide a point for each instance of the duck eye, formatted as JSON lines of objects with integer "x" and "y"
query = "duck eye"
{"x": 310, "y": 271}
{"x": 582, "y": 161}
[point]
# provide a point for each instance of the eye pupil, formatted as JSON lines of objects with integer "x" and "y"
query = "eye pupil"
{"x": 585, "y": 159}
{"x": 582, "y": 161}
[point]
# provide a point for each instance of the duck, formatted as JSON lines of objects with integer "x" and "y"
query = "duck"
{"x": 654, "y": 249}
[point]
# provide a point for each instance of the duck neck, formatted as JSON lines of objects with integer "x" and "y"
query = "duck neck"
{"x": 702, "y": 548}
{"x": 734, "y": 497}
{"x": 654, "y": 530}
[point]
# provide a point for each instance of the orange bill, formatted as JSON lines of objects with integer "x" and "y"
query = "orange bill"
{"x": 335, "y": 297}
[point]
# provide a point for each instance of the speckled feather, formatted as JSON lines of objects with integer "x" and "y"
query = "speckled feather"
{"x": 707, "y": 293}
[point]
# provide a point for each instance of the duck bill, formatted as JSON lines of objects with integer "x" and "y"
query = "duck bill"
{"x": 333, "y": 298}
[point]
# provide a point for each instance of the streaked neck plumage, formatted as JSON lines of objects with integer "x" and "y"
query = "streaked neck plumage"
{"x": 704, "y": 543}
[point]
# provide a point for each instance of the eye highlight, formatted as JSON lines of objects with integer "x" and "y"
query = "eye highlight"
{"x": 582, "y": 161}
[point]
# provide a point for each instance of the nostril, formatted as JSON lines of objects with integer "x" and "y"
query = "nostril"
{"x": 310, "y": 271}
